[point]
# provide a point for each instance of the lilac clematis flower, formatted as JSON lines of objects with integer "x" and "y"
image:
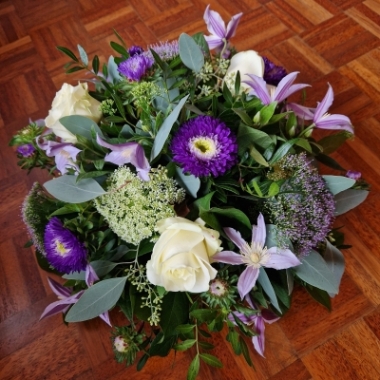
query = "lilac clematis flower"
{"x": 216, "y": 26}
{"x": 127, "y": 153}
{"x": 90, "y": 276}
{"x": 319, "y": 115}
{"x": 65, "y": 301}
{"x": 257, "y": 320}
{"x": 269, "y": 94}
{"x": 324, "y": 120}
{"x": 255, "y": 256}
{"x": 353, "y": 174}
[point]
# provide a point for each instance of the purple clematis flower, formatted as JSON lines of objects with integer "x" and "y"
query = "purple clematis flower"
{"x": 254, "y": 256}
{"x": 90, "y": 276}
{"x": 127, "y": 153}
{"x": 65, "y": 301}
{"x": 257, "y": 320}
{"x": 216, "y": 26}
{"x": 353, "y": 174}
{"x": 65, "y": 154}
{"x": 319, "y": 115}
{"x": 269, "y": 94}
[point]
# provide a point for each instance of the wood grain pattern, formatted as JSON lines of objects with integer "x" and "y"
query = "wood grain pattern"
{"x": 335, "y": 42}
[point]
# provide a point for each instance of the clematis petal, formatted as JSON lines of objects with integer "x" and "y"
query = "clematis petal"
{"x": 281, "y": 259}
{"x": 106, "y": 318}
{"x": 232, "y": 25}
{"x": 268, "y": 316}
{"x": 258, "y": 341}
{"x": 324, "y": 105}
{"x": 285, "y": 88}
{"x": 90, "y": 276}
{"x": 227, "y": 257}
{"x": 235, "y": 237}
{"x": 305, "y": 113}
{"x": 58, "y": 289}
{"x": 259, "y": 88}
{"x": 60, "y": 305}
{"x": 214, "y": 22}
{"x": 247, "y": 281}
{"x": 259, "y": 232}
{"x": 214, "y": 41}
{"x": 335, "y": 121}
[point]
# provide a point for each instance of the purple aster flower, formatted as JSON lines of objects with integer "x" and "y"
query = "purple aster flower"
{"x": 216, "y": 26}
{"x": 63, "y": 249}
{"x": 165, "y": 50}
{"x": 26, "y": 150}
{"x": 135, "y": 50}
{"x": 353, "y": 174}
{"x": 134, "y": 68}
{"x": 273, "y": 73}
{"x": 272, "y": 94}
{"x": 127, "y": 153}
{"x": 254, "y": 256}
{"x": 257, "y": 320}
{"x": 203, "y": 146}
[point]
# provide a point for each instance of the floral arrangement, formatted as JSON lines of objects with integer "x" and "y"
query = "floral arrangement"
{"x": 187, "y": 193}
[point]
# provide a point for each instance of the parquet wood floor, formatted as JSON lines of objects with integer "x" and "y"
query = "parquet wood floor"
{"x": 336, "y": 41}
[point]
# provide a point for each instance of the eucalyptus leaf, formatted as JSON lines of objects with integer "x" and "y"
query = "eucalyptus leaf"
{"x": 189, "y": 182}
{"x": 163, "y": 133}
{"x": 349, "y": 199}
{"x": 315, "y": 272}
{"x": 113, "y": 71}
{"x": 97, "y": 299}
{"x": 190, "y": 53}
{"x": 83, "y": 55}
{"x": 264, "y": 281}
{"x": 335, "y": 261}
{"x": 67, "y": 189}
{"x": 80, "y": 125}
{"x": 337, "y": 183}
{"x": 101, "y": 267}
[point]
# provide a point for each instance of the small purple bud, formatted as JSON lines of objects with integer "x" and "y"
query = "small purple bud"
{"x": 353, "y": 174}
{"x": 135, "y": 50}
{"x": 26, "y": 150}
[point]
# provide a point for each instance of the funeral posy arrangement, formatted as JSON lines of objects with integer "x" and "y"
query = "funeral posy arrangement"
{"x": 186, "y": 192}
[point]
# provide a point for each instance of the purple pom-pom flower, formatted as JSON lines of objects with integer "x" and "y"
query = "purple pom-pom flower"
{"x": 63, "y": 249}
{"x": 26, "y": 150}
{"x": 204, "y": 146}
{"x": 134, "y": 68}
{"x": 135, "y": 50}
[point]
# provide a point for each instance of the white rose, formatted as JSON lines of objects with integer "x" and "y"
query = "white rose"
{"x": 181, "y": 257}
{"x": 246, "y": 62}
{"x": 69, "y": 101}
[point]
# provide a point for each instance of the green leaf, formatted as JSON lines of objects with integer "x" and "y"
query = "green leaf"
{"x": 96, "y": 300}
{"x": 321, "y": 296}
{"x": 203, "y": 315}
{"x": 331, "y": 143}
{"x": 188, "y": 181}
{"x": 101, "y": 267}
{"x": 274, "y": 189}
{"x": 349, "y": 199}
{"x": 94, "y": 174}
{"x": 80, "y": 125}
{"x": 337, "y": 183}
{"x": 185, "y": 345}
{"x": 266, "y": 113}
{"x": 95, "y": 64}
{"x": 211, "y": 360}
{"x": 233, "y": 338}
{"x": 163, "y": 133}
{"x": 203, "y": 204}
{"x": 185, "y": 329}
{"x": 142, "y": 362}
{"x": 119, "y": 48}
{"x": 315, "y": 272}
{"x": 264, "y": 281}
{"x": 190, "y": 53}
{"x": 243, "y": 116}
{"x": 256, "y": 155}
{"x": 67, "y": 189}
{"x": 67, "y": 209}
{"x": 245, "y": 351}
{"x": 175, "y": 311}
{"x": 334, "y": 260}
{"x": 199, "y": 38}
{"x": 247, "y": 136}
{"x": 282, "y": 150}
{"x": 206, "y": 345}
{"x": 329, "y": 161}
{"x": 83, "y": 55}
{"x": 193, "y": 371}
{"x": 68, "y": 52}
{"x": 233, "y": 213}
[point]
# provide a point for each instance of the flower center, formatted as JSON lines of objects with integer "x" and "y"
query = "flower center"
{"x": 255, "y": 255}
{"x": 218, "y": 288}
{"x": 204, "y": 148}
{"x": 60, "y": 248}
